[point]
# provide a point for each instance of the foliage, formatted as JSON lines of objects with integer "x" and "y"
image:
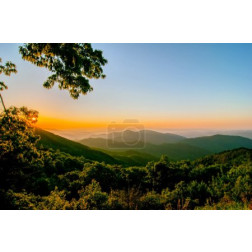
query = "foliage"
{"x": 20, "y": 200}
{"x": 56, "y": 200}
{"x": 7, "y": 69}
{"x": 71, "y": 64}
{"x": 18, "y": 152}
{"x": 151, "y": 200}
{"x": 91, "y": 198}
{"x": 35, "y": 177}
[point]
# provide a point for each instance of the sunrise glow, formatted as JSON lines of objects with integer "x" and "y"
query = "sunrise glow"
{"x": 166, "y": 86}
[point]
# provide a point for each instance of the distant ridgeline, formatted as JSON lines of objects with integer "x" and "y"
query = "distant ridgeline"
{"x": 174, "y": 146}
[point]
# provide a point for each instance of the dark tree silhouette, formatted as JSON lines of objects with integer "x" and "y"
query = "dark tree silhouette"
{"x": 72, "y": 65}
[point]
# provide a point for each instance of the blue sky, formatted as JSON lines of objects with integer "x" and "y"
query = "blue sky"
{"x": 161, "y": 85}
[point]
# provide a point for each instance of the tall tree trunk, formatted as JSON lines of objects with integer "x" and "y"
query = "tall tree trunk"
{"x": 5, "y": 110}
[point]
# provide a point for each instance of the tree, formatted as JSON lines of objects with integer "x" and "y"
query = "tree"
{"x": 151, "y": 201}
{"x": 19, "y": 200}
{"x": 56, "y": 200}
{"x": 92, "y": 198}
{"x": 19, "y": 153}
{"x": 7, "y": 69}
{"x": 103, "y": 174}
{"x": 72, "y": 65}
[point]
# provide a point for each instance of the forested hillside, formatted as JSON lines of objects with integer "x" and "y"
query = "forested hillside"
{"x": 50, "y": 140}
{"x": 32, "y": 177}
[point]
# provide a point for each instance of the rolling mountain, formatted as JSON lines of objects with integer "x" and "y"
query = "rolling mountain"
{"x": 160, "y": 138}
{"x": 128, "y": 138}
{"x": 175, "y": 151}
{"x": 184, "y": 148}
{"x": 140, "y": 153}
{"x": 50, "y": 140}
{"x": 218, "y": 143}
{"x": 147, "y": 136}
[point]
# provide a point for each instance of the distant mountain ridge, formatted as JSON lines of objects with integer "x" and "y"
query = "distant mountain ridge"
{"x": 174, "y": 146}
{"x": 128, "y": 136}
{"x": 99, "y": 149}
{"x": 148, "y": 136}
{"x": 218, "y": 143}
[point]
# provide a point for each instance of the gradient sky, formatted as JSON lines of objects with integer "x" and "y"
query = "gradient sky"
{"x": 163, "y": 86}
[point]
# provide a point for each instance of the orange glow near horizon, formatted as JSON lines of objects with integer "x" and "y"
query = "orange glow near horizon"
{"x": 58, "y": 123}
{"x": 173, "y": 123}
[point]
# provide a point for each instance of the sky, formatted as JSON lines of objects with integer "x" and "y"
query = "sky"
{"x": 162, "y": 86}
